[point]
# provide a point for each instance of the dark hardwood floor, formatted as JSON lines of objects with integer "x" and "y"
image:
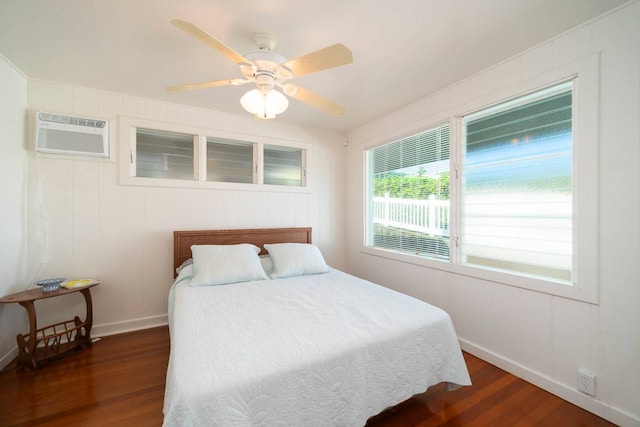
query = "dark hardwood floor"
{"x": 120, "y": 381}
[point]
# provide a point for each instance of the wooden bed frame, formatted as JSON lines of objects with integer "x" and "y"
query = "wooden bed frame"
{"x": 183, "y": 240}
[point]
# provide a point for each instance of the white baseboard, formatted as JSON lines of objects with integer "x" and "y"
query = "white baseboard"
{"x": 107, "y": 329}
{"x": 575, "y": 397}
{"x": 8, "y": 358}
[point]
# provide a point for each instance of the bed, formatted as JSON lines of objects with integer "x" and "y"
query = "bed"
{"x": 313, "y": 346}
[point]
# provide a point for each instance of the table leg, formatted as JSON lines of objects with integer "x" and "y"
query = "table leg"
{"x": 89, "y": 319}
{"x": 27, "y": 348}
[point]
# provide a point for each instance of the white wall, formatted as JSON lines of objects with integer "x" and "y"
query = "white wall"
{"x": 122, "y": 235}
{"x": 543, "y": 338}
{"x": 13, "y": 219}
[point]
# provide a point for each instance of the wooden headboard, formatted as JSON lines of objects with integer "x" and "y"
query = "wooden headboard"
{"x": 183, "y": 240}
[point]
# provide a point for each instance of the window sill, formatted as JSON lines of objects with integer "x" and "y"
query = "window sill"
{"x": 210, "y": 185}
{"x": 575, "y": 291}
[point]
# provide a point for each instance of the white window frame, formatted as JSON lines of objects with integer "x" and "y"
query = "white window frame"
{"x": 127, "y": 157}
{"x": 585, "y": 75}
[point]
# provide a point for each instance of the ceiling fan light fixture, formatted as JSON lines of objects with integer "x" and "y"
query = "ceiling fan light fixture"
{"x": 268, "y": 69}
{"x": 264, "y": 105}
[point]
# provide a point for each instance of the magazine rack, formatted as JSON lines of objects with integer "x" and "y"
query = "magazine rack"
{"x": 51, "y": 341}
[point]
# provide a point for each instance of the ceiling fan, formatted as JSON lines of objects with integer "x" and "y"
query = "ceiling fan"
{"x": 268, "y": 69}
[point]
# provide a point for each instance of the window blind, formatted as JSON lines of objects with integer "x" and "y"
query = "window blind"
{"x": 162, "y": 154}
{"x": 229, "y": 160}
{"x": 408, "y": 194}
{"x": 517, "y": 186}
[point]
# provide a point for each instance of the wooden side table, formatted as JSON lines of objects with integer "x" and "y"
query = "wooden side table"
{"x": 47, "y": 342}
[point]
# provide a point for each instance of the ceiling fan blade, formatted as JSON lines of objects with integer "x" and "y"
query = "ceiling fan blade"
{"x": 317, "y": 101}
{"x": 207, "y": 38}
{"x": 190, "y": 86}
{"x": 329, "y": 57}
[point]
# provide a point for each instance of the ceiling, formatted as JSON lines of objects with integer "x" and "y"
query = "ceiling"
{"x": 402, "y": 50}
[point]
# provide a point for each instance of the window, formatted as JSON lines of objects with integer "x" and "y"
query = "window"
{"x": 170, "y": 155}
{"x": 229, "y": 160}
{"x": 163, "y": 154}
{"x": 523, "y": 190}
{"x": 283, "y": 165}
{"x": 408, "y": 195}
{"x": 517, "y": 186}
{"x": 513, "y": 191}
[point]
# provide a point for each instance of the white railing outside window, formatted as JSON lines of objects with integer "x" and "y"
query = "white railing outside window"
{"x": 429, "y": 216}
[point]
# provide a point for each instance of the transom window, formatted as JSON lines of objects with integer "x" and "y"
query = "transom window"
{"x": 229, "y": 160}
{"x": 283, "y": 165}
{"x": 160, "y": 154}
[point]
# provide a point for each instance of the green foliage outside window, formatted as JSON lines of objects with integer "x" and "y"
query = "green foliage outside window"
{"x": 412, "y": 187}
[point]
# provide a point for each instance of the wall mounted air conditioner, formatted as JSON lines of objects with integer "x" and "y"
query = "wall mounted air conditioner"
{"x": 76, "y": 136}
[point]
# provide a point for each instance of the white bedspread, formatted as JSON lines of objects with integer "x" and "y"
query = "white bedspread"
{"x": 328, "y": 349}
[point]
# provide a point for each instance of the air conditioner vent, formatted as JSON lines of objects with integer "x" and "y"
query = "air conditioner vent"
{"x": 71, "y": 135}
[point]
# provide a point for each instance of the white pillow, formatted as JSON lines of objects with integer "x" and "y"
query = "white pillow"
{"x": 295, "y": 259}
{"x": 221, "y": 264}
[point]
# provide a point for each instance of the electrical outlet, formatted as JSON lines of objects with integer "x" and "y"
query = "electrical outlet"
{"x": 587, "y": 382}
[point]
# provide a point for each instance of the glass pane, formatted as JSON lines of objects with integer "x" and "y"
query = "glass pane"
{"x": 408, "y": 194}
{"x": 282, "y": 165}
{"x": 517, "y": 187}
{"x": 229, "y": 161}
{"x": 161, "y": 154}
